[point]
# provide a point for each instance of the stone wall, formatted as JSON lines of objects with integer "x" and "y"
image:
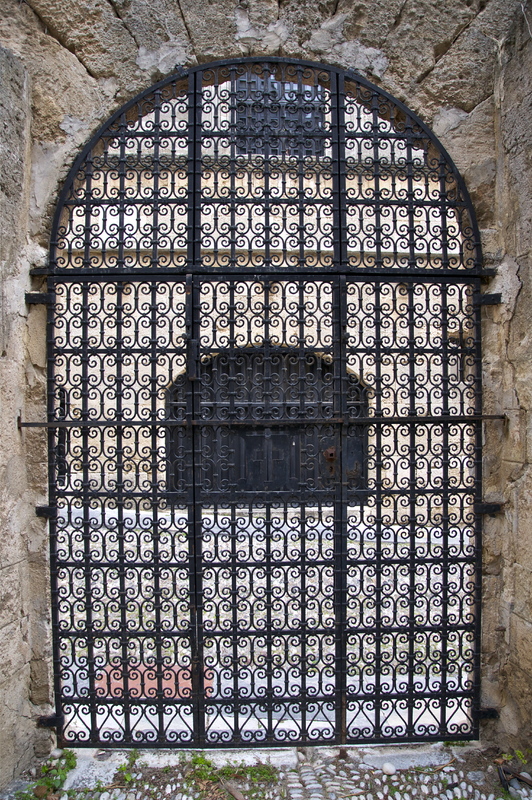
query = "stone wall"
{"x": 463, "y": 65}
{"x": 508, "y": 540}
{"x": 24, "y": 679}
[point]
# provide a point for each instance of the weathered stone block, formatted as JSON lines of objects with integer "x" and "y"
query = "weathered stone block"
{"x": 212, "y": 28}
{"x": 520, "y": 653}
{"x": 465, "y": 75}
{"x": 15, "y": 651}
{"x": 17, "y": 727}
{"x": 12, "y": 581}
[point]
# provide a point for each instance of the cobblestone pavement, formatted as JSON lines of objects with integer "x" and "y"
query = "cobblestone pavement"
{"x": 432, "y": 772}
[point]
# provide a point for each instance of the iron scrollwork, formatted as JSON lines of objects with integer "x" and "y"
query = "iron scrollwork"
{"x": 264, "y": 419}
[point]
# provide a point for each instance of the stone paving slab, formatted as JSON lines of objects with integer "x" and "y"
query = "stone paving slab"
{"x": 424, "y": 772}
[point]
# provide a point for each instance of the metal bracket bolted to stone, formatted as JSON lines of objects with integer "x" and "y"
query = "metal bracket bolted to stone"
{"x": 488, "y": 508}
{"x": 488, "y": 713}
{"x": 48, "y": 512}
{"x": 488, "y": 299}
{"x": 51, "y": 721}
{"x": 39, "y": 298}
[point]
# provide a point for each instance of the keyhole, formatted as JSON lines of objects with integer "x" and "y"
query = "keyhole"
{"x": 330, "y": 457}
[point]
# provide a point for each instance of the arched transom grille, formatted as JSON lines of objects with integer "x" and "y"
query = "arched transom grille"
{"x": 264, "y": 419}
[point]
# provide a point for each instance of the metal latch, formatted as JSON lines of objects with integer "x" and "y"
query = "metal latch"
{"x": 192, "y": 359}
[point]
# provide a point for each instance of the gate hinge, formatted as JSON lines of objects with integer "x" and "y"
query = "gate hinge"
{"x": 488, "y": 508}
{"x": 51, "y": 721}
{"x": 488, "y": 713}
{"x": 488, "y": 299}
{"x": 39, "y": 298}
{"x": 48, "y": 512}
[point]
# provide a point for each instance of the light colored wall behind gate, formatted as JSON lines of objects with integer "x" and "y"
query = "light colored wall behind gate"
{"x": 463, "y": 65}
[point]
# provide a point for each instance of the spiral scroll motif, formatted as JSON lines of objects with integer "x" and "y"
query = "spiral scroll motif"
{"x": 265, "y": 419}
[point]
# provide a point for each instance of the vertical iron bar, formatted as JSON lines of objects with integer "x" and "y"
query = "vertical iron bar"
{"x": 444, "y": 511}
{"x": 376, "y": 142}
{"x": 445, "y": 518}
{"x": 267, "y": 455}
{"x": 268, "y": 626}
{"x": 217, "y": 195}
{"x": 412, "y": 410}
{"x": 478, "y": 495}
{"x": 339, "y": 171}
{"x": 121, "y": 561}
{"x": 379, "y": 495}
{"x": 91, "y": 671}
{"x": 119, "y": 392}
{"x": 232, "y": 389}
{"x": 303, "y": 633}
{"x": 301, "y": 408}
{"x": 194, "y": 170}
{"x": 193, "y": 490}
{"x": 157, "y": 591}
{"x": 234, "y": 620}
{"x": 193, "y": 332}
{"x": 54, "y": 495}
{"x": 340, "y": 502}
{"x": 339, "y": 321}
{"x": 266, "y": 167}
{"x": 411, "y": 693}
{"x": 198, "y": 674}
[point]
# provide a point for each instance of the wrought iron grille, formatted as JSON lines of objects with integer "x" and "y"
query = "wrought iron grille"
{"x": 265, "y": 419}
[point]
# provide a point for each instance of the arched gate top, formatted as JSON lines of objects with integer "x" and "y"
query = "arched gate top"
{"x": 264, "y": 420}
{"x": 257, "y": 166}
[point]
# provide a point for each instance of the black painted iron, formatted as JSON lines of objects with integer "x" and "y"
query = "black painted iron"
{"x": 489, "y": 299}
{"x": 50, "y": 721}
{"x": 38, "y": 298}
{"x": 265, "y": 419}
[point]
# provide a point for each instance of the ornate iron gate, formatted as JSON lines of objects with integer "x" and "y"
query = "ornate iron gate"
{"x": 265, "y": 419}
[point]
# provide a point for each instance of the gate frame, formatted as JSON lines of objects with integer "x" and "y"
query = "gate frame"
{"x": 477, "y": 272}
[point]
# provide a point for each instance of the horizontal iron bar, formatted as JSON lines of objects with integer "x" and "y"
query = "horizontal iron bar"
{"x": 159, "y": 275}
{"x": 270, "y": 423}
{"x": 236, "y": 353}
{"x": 302, "y": 497}
{"x": 213, "y": 201}
{"x": 311, "y": 134}
{"x": 280, "y": 702}
{"x": 176, "y": 423}
{"x": 278, "y": 563}
{"x": 399, "y": 272}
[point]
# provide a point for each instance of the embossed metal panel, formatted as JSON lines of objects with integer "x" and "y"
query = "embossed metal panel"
{"x": 264, "y": 419}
